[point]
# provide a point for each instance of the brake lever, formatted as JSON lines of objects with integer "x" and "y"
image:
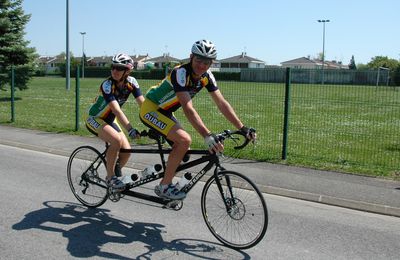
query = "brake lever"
{"x": 246, "y": 142}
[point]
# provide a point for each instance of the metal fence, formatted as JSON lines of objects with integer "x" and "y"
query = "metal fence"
{"x": 343, "y": 126}
{"x": 377, "y": 77}
{"x": 335, "y": 125}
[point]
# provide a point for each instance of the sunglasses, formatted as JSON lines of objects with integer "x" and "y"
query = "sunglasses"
{"x": 202, "y": 60}
{"x": 118, "y": 68}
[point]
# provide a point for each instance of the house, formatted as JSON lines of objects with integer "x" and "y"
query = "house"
{"x": 50, "y": 64}
{"x": 335, "y": 65}
{"x": 139, "y": 61}
{"x": 47, "y": 63}
{"x": 161, "y": 61}
{"x": 103, "y": 61}
{"x": 307, "y": 63}
{"x": 241, "y": 61}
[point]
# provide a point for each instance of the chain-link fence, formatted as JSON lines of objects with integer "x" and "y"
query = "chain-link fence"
{"x": 331, "y": 126}
{"x": 338, "y": 126}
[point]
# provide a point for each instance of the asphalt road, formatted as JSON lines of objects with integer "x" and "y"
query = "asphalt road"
{"x": 41, "y": 219}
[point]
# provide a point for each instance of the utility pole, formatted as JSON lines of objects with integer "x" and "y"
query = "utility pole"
{"x": 323, "y": 47}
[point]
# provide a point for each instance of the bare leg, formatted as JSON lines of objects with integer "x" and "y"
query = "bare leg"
{"x": 124, "y": 157}
{"x": 116, "y": 141}
{"x": 182, "y": 141}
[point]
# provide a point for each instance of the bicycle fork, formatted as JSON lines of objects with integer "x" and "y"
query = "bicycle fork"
{"x": 227, "y": 198}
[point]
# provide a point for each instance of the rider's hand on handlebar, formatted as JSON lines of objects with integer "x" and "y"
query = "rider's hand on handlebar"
{"x": 134, "y": 133}
{"x": 213, "y": 143}
{"x": 250, "y": 133}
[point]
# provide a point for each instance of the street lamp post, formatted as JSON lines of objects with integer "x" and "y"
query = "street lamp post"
{"x": 67, "y": 55}
{"x": 83, "y": 54}
{"x": 323, "y": 47}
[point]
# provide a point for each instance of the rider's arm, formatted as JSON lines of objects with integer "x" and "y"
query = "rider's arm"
{"x": 136, "y": 92}
{"x": 139, "y": 100}
{"x": 226, "y": 109}
{"x": 117, "y": 111}
{"x": 191, "y": 114}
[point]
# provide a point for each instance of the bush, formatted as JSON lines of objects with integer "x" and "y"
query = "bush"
{"x": 227, "y": 76}
{"x": 158, "y": 74}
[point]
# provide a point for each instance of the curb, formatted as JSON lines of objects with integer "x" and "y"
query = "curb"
{"x": 333, "y": 201}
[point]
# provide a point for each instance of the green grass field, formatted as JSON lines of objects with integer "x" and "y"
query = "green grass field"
{"x": 344, "y": 128}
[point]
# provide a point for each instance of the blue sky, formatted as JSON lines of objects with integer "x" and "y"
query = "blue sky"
{"x": 272, "y": 31}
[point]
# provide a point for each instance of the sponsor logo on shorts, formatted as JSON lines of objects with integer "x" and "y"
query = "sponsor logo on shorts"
{"x": 152, "y": 117}
{"x": 93, "y": 123}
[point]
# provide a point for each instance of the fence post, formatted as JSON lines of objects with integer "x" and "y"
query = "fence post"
{"x": 12, "y": 94}
{"x": 286, "y": 115}
{"x": 77, "y": 86}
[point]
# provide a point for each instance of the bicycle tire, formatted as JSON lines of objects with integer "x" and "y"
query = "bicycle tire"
{"x": 245, "y": 224}
{"x": 85, "y": 167}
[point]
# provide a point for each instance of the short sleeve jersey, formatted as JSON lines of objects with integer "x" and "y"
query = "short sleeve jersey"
{"x": 108, "y": 92}
{"x": 180, "y": 79}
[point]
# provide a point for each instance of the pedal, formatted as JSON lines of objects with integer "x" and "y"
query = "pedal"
{"x": 174, "y": 204}
{"x": 114, "y": 195}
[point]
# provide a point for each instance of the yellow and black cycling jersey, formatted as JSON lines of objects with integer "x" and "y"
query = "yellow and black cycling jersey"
{"x": 180, "y": 79}
{"x": 108, "y": 92}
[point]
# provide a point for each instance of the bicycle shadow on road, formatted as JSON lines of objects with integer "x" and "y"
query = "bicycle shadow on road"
{"x": 89, "y": 230}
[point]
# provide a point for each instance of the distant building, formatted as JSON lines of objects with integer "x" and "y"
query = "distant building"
{"x": 46, "y": 63}
{"x": 139, "y": 61}
{"x": 307, "y": 63}
{"x": 50, "y": 64}
{"x": 236, "y": 63}
{"x": 161, "y": 61}
{"x": 241, "y": 62}
{"x": 102, "y": 61}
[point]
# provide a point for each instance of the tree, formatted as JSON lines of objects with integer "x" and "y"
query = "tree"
{"x": 383, "y": 61}
{"x": 392, "y": 64}
{"x": 63, "y": 64}
{"x": 14, "y": 50}
{"x": 352, "y": 65}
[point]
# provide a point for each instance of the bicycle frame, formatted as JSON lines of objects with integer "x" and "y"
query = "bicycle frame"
{"x": 212, "y": 160}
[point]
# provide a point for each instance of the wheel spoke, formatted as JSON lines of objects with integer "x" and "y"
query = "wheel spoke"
{"x": 245, "y": 223}
{"x": 85, "y": 168}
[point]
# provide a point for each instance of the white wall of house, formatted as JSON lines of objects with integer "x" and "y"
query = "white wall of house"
{"x": 256, "y": 65}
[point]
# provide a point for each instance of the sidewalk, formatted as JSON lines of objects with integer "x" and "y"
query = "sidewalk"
{"x": 344, "y": 190}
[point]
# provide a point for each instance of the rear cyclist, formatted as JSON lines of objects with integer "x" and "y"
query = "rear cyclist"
{"x": 106, "y": 110}
{"x": 175, "y": 91}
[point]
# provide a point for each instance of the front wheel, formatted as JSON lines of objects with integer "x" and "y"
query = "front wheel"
{"x": 85, "y": 167}
{"x": 234, "y": 210}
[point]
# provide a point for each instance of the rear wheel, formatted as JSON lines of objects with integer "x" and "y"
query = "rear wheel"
{"x": 85, "y": 168}
{"x": 235, "y": 211}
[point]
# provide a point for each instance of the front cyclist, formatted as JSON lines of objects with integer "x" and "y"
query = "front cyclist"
{"x": 105, "y": 115}
{"x": 175, "y": 91}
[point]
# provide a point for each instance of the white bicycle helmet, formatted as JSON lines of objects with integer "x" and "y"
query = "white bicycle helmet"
{"x": 204, "y": 48}
{"x": 122, "y": 60}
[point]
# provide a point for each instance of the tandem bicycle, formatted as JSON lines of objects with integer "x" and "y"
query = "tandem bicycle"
{"x": 232, "y": 206}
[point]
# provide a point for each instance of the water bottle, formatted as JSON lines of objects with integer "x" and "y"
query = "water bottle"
{"x": 134, "y": 177}
{"x": 150, "y": 171}
{"x": 184, "y": 180}
{"x": 128, "y": 179}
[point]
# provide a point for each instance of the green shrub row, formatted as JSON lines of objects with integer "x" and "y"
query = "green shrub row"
{"x": 157, "y": 74}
